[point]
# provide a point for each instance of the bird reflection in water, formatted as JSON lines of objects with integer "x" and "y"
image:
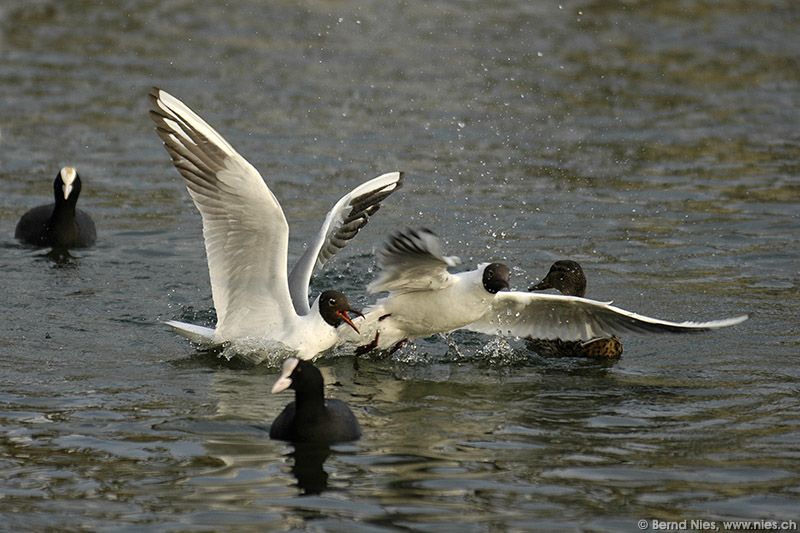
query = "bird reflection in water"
{"x": 61, "y": 257}
{"x": 311, "y": 423}
{"x": 309, "y": 458}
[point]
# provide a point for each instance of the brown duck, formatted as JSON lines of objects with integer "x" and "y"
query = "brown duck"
{"x": 568, "y": 278}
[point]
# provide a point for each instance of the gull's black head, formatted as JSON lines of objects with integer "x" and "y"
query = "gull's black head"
{"x": 334, "y": 308}
{"x": 496, "y": 277}
{"x": 566, "y": 277}
{"x": 67, "y": 186}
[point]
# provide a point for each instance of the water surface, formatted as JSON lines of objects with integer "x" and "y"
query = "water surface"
{"x": 655, "y": 143}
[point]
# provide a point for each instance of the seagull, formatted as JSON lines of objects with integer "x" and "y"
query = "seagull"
{"x": 246, "y": 238}
{"x": 567, "y": 277}
{"x": 425, "y": 298}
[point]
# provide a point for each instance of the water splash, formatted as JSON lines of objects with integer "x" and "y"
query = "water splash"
{"x": 254, "y": 352}
{"x": 499, "y": 352}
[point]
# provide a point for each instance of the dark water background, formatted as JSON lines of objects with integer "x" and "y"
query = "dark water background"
{"x": 655, "y": 142}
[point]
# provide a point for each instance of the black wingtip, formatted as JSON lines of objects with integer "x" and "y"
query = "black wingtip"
{"x": 154, "y": 93}
{"x": 409, "y": 240}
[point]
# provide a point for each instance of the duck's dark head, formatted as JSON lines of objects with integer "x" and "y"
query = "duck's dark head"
{"x": 496, "y": 277}
{"x": 566, "y": 277}
{"x": 67, "y": 185}
{"x": 334, "y": 308}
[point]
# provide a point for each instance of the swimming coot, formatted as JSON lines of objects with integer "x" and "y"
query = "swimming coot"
{"x": 311, "y": 417}
{"x": 62, "y": 224}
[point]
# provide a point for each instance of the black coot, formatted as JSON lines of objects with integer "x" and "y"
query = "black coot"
{"x": 62, "y": 224}
{"x": 311, "y": 417}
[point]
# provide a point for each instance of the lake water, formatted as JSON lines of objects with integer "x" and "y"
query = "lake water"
{"x": 657, "y": 143}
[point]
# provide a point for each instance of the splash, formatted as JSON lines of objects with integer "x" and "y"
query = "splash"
{"x": 256, "y": 352}
{"x": 499, "y": 352}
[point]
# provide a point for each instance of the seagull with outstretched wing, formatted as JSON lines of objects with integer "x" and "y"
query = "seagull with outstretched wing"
{"x": 425, "y": 298}
{"x": 247, "y": 237}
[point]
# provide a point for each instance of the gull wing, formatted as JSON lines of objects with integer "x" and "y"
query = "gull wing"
{"x": 197, "y": 334}
{"x": 245, "y": 230}
{"x": 343, "y": 222}
{"x": 554, "y": 316}
{"x": 412, "y": 260}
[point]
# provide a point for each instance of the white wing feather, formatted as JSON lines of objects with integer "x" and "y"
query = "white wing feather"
{"x": 554, "y": 316}
{"x": 197, "y": 334}
{"x": 344, "y": 221}
{"x": 245, "y": 230}
{"x": 412, "y": 260}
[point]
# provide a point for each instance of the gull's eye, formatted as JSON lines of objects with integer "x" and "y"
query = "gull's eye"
{"x": 332, "y": 302}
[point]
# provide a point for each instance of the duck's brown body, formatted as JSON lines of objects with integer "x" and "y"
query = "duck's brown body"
{"x": 600, "y": 348}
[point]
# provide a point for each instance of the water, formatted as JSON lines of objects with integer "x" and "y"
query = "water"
{"x": 656, "y": 143}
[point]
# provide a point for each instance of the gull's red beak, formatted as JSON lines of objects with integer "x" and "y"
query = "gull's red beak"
{"x": 344, "y": 316}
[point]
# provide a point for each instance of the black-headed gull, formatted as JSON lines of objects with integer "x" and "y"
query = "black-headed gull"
{"x": 246, "y": 238}
{"x": 425, "y": 298}
{"x": 60, "y": 224}
{"x": 311, "y": 417}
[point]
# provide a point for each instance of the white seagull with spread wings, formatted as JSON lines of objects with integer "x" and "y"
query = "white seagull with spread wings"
{"x": 425, "y": 298}
{"x": 247, "y": 237}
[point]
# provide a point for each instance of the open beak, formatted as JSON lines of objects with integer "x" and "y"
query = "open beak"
{"x": 344, "y": 316}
